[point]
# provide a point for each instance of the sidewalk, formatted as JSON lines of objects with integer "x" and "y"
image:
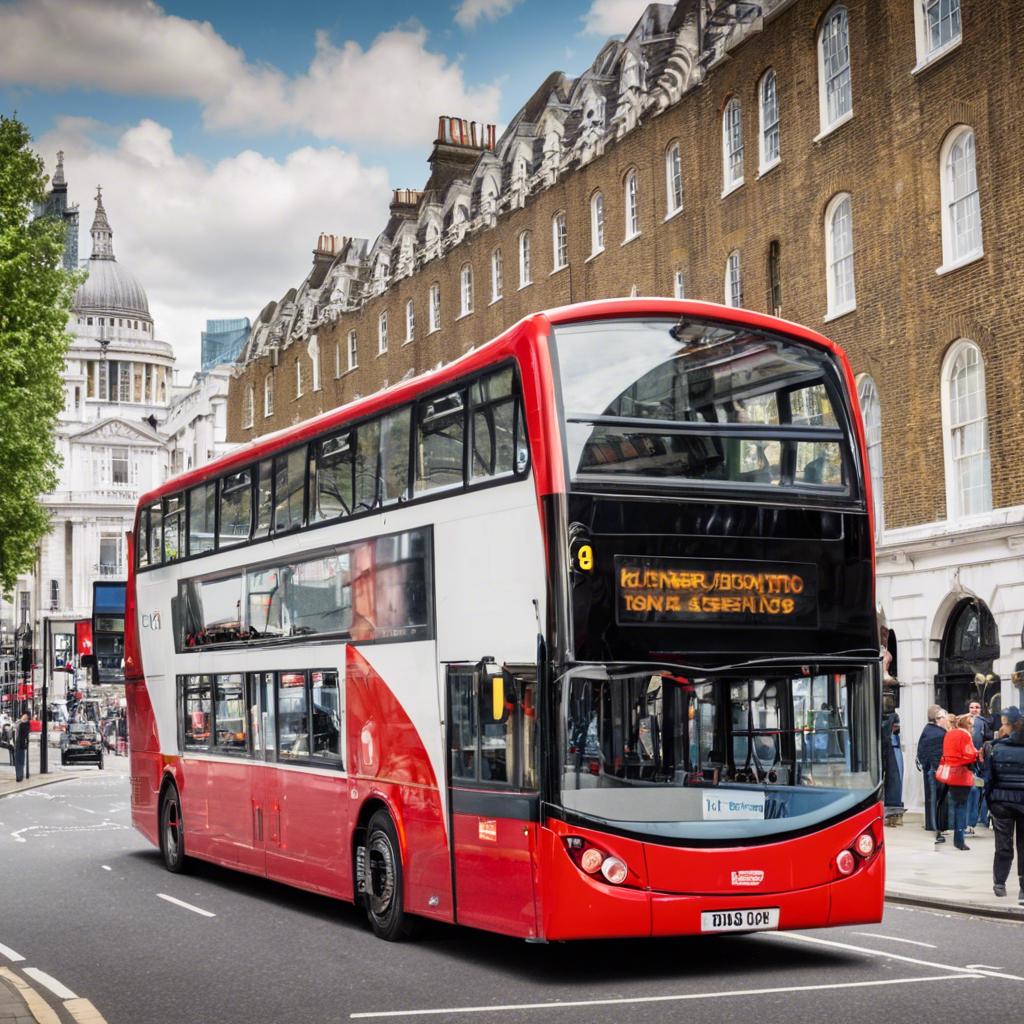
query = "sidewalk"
{"x": 54, "y": 774}
{"x": 919, "y": 872}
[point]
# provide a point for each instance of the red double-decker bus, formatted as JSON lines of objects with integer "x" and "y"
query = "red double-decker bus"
{"x": 574, "y": 637}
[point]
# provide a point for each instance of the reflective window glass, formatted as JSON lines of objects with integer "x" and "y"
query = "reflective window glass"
{"x": 367, "y": 466}
{"x": 264, "y": 499}
{"x": 440, "y": 438}
{"x": 335, "y": 476}
{"x": 235, "y": 508}
{"x": 394, "y": 456}
{"x": 326, "y": 716}
{"x": 202, "y": 510}
{"x": 156, "y": 534}
{"x": 174, "y": 523}
{"x": 289, "y": 490}
{"x": 197, "y": 710}
{"x": 292, "y": 716}
{"x": 229, "y": 714}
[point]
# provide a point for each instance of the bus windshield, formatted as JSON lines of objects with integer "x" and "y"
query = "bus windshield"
{"x": 690, "y": 400}
{"x": 719, "y": 757}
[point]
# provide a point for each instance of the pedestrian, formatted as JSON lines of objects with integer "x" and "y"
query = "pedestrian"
{"x": 1005, "y": 793}
{"x": 21, "y": 748}
{"x": 956, "y": 770}
{"x": 929, "y": 753}
{"x": 893, "y": 768}
{"x": 981, "y": 736}
{"x": 7, "y": 738}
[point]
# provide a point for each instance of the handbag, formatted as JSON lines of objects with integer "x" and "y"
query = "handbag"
{"x": 944, "y": 773}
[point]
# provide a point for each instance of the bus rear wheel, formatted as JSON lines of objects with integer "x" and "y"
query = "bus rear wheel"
{"x": 172, "y": 831}
{"x": 384, "y": 881}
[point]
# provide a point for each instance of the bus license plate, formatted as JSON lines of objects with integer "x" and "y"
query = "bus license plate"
{"x": 760, "y": 920}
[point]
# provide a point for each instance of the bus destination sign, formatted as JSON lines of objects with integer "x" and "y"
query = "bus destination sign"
{"x": 658, "y": 591}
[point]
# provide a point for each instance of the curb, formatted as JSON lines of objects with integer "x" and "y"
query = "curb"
{"x": 49, "y": 780}
{"x": 1011, "y": 913}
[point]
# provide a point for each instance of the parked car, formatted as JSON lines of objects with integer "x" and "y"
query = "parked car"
{"x": 82, "y": 742}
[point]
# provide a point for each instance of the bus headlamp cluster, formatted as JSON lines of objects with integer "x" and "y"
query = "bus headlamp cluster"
{"x": 592, "y": 860}
{"x": 864, "y": 847}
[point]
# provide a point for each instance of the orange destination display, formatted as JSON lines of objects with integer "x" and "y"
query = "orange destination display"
{"x": 654, "y": 591}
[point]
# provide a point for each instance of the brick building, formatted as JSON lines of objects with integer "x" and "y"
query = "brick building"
{"x": 851, "y": 166}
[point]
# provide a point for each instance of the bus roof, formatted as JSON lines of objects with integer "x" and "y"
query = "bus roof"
{"x": 503, "y": 345}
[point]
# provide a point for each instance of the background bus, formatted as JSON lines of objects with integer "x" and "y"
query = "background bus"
{"x": 574, "y": 637}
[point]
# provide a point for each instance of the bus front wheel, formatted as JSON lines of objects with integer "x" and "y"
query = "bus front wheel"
{"x": 172, "y": 831}
{"x": 384, "y": 881}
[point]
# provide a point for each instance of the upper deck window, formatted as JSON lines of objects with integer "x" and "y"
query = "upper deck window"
{"x": 660, "y": 401}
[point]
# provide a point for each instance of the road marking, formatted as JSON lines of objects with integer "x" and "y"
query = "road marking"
{"x": 909, "y": 942}
{"x": 75, "y": 807}
{"x": 106, "y": 867}
{"x": 10, "y": 954}
{"x": 18, "y": 837}
{"x": 187, "y": 906}
{"x": 796, "y": 937}
{"x": 38, "y": 1006}
{"x": 983, "y": 967}
{"x": 84, "y": 1012}
{"x": 628, "y": 1001}
{"x": 50, "y": 982}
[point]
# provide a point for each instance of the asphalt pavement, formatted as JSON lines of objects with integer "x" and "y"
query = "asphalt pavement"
{"x": 87, "y": 906}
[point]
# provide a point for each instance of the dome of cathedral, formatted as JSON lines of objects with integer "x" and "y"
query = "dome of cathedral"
{"x": 110, "y": 288}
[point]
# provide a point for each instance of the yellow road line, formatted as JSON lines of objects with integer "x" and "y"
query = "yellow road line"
{"x": 84, "y": 1012}
{"x": 39, "y": 1007}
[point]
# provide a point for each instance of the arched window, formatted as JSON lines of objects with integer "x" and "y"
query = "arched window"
{"x": 673, "y": 179}
{"x": 733, "y": 280}
{"x": 465, "y": 290}
{"x": 382, "y": 333}
{"x": 965, "y": 433}
{"x": 835, "y": 92}
{"x": 871, "y": 411}
{"x": 596, "y": 223}
{"x": 842, "y": 296}
{"x": 353, "y": 350}
{"x": 298, "y": 376}
{"x": 775, "y": 277}
{"x": 969, "y": 647}
{"x": 497, "y": 277}
{"x": 250, "y": 406}
{"x": 559, "y": 242}
{"x": 769, "y": 151}
{"x": 524, "y": 259}
{"x": 732, "y": 146}
{"x": 961, "y": 206}
{"x": 434, "y": 307}
{"x": 410, "y": 321}
{"x": 632, "y": 206}
{"x": 268, "y": 395}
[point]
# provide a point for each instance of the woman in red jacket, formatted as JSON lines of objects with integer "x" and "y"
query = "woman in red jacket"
{"x": 955, "y": 770}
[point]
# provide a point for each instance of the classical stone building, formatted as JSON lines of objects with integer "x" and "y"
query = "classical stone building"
{"x": 852, "y": 166}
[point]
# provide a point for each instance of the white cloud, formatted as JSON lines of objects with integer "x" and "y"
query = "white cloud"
{"x": 613, "y": 17}
{"x": 390, "y": 93}
{"x": 471, "y": 11}
{"x": 208, "y": 241}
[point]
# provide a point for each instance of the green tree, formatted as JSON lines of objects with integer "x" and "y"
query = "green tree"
{"x": 35, "y": 301}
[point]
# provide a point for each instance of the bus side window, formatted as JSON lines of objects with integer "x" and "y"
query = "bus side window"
{"x": 334, "y": 475}
{"x": 264, "y": 499}
{"x": 367, "y": 466}
{"x": 494, "y": 422}
{"x": 440, "y": 442}
{"x": 462, "y": 728}
{"x": 202, "y": 505}
{"x": 142, "y": 540}
{"x": 156, "y": 535}
{"x": 289, "y": 490}
{"x": 235, "y": 509}
{"x": 174, "y": 516}
{"x": 394, "y": 456}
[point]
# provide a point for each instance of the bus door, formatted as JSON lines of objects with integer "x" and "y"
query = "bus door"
{"x": 492, "y": 794}
{"x": 304, "y": 796}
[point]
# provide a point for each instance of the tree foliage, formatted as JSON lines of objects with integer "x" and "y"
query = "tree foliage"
{"x": 35, "y": 301}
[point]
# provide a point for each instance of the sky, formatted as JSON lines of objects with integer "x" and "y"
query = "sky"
{"x": 227, "y": 136}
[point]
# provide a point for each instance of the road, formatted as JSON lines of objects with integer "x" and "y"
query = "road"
{"x": 86, "y": 901}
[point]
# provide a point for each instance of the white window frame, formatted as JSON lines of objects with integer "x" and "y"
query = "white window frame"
{"x": 314, "y": 358}
{"x": 337, "y": 360}
{"x": 631, "y": 207}
{"x": 559, "y": 243}
{"x": 871, "y": 413}
{"x": 734, "y": 280}
{"x": 434, "y": 308}
{"x": 596, "y": 223}
{"x": 353, "y": 350}
{"x": 768, "y": 107}
{"x": 732, "y": 146}
{"x": 952, "y": 421}
{"x": 410, "y": 322}
{"x": 465, "y": 290}
{"x": 497, "y": 275}
{"x": 955, "y": 200}
{"x": 382, "y": 333}
{"x": 523, "y": 245}
{"x": 840, "y": 252}
{"x": 835, "y": 35}
{"x": 673, "y": 180}
{"x": 298, "y": 375}
{"x": 949, "y": 11}
{"x": 679, "y": 285}
{"x": 268, "y": 395}
{"x": 249, "y": 416}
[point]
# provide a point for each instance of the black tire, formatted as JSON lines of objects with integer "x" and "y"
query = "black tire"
{"x": 172, "y": 832}
{"x": 385, "y": 904}
{"x": 99, "y": 763}
{"x": 63, "y": 761}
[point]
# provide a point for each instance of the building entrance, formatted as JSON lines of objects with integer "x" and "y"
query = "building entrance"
{"x": 970, "y": 645}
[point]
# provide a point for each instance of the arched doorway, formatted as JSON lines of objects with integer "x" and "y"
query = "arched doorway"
{"x": 970, "y": 644}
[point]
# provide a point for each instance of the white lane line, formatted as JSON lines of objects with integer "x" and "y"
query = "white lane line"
{"x": 909, "y": 942}
{"x": 628, "y": 1001}
{"x": 59, "y": 990}
{"x": 796, "y": 937}
{"x": 75, "y": 807}
{"x": 187, "y": 906}
{"x": 983, "y": 967}
{"x": 10, "y": 954}
{"x": 106, "y": 867}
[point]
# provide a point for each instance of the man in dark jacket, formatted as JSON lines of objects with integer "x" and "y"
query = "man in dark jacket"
{"x": 21, "y": 736}
{"x": 929, "y": 753}
{"x": 1005, "y": 794}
